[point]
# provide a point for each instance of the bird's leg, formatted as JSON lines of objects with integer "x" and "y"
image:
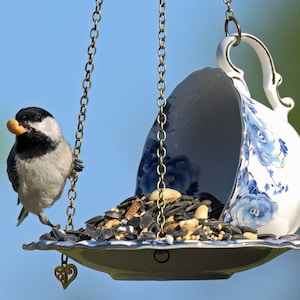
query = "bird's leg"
{"x": 44, "y": 219}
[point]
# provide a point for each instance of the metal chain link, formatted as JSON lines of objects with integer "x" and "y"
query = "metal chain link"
{"x": 230, "y": 17}
{"x": 86, "y": 85}
{"x": 162, "y": 117}
{"x": 229, "y": 12}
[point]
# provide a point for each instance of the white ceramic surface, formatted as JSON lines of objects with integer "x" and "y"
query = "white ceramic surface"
{"x": 267, "y": 195}
{"x": 153, "y": 260}
{"x": 221, "y": 141}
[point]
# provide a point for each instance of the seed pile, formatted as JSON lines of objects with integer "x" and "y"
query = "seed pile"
{"x": 135, "y": 219}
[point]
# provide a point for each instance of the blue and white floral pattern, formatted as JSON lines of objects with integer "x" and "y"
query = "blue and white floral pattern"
{"x": 254, "y": 199}
{"x": 270, "y": 149}
{"x": 181, "y": 175}
{"x": 252, "y": 205}
{"x": 253, "y": 208}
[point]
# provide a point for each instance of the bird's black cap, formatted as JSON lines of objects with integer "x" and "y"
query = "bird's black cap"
{"x": 33, "y": 143}
{"x": 33, "y": 114}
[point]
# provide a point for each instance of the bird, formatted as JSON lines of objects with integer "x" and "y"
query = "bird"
{"x": 39, "y": 162}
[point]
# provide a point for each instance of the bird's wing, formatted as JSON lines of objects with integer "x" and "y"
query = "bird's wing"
{"x": 12, "y": 170}
{"x": 23, "y": 214}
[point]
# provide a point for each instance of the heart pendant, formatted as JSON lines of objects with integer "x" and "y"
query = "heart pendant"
{"x": 66, "y": 274}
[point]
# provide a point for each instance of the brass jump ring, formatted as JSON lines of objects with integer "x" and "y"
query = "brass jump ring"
{"x": 238, "y": 27}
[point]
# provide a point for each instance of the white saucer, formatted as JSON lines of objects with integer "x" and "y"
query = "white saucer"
{"x": 153, "y": 260}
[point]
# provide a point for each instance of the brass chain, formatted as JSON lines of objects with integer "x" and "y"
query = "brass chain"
{"x": 162, "y": 117}
{"x": 86, "y": 85}
{"x": 230, "y": 17}
{"x": 229, "y": 12}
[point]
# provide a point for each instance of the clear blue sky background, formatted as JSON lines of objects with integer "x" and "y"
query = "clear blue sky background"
{"x": 42, "y": 56}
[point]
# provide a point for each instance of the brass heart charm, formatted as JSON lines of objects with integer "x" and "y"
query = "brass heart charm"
{"x": 66, "y": 274}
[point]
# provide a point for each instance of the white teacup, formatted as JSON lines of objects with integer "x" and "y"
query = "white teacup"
{"x": 222, "y": 142}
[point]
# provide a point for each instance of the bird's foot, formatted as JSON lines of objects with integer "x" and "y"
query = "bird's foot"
{"x": 77, "y": 165}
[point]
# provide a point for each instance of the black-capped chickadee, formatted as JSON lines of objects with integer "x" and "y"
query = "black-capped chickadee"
{"x": 39, "y": 162}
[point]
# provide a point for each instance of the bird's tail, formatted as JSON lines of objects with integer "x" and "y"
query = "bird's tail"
{"x": 23, "y": 214}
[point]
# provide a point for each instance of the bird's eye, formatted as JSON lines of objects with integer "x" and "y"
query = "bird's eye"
{"x": 38, "y": 117}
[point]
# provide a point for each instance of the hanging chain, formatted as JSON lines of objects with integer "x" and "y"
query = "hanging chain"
{"x": 162, "y": 117}
{"x": 229, "y": 12}
{"x": 230, "y": 17}
{"x": 86, "y": 85}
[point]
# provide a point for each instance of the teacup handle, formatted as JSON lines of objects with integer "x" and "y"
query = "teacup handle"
{"x": 271, "y": 79}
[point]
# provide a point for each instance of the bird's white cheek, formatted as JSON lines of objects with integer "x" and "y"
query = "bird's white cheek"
{"x": 49, "y": 127}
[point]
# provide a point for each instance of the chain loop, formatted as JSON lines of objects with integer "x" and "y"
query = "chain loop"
{"x": 162, "y": 117}
{"x": 84, "y": 100}
{"x": 230, "y": 17}
{"x": 229, "y": 12}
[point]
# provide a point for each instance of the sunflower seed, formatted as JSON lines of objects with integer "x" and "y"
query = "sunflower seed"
{"x": 58, "y": 234}
{"x": 236, "y": 230}
{"x": 248, "y": 229}
{"x": 47, "y": 237}
{"x": 95, "y": 220}
{"x": 267, "y": 236}
{"x": 107, "y": 234}
{"x": 149, "y": 235}
{"x": 172, "y": 211}
{"x": 146, "y": 221}
{"x": 186, "y": 218}
{"x": 135, "y": 222}
{"x": 290, "y": 237}
{"x": 112, "y": 214}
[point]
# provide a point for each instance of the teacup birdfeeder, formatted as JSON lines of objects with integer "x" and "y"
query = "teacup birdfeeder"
{"x": 216, "y": 191}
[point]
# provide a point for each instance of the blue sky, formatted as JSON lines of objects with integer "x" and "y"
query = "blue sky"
{"x": 42, "y": 56}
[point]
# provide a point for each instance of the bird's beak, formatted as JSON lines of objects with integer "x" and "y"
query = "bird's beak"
{"x": 14, "y": 127}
